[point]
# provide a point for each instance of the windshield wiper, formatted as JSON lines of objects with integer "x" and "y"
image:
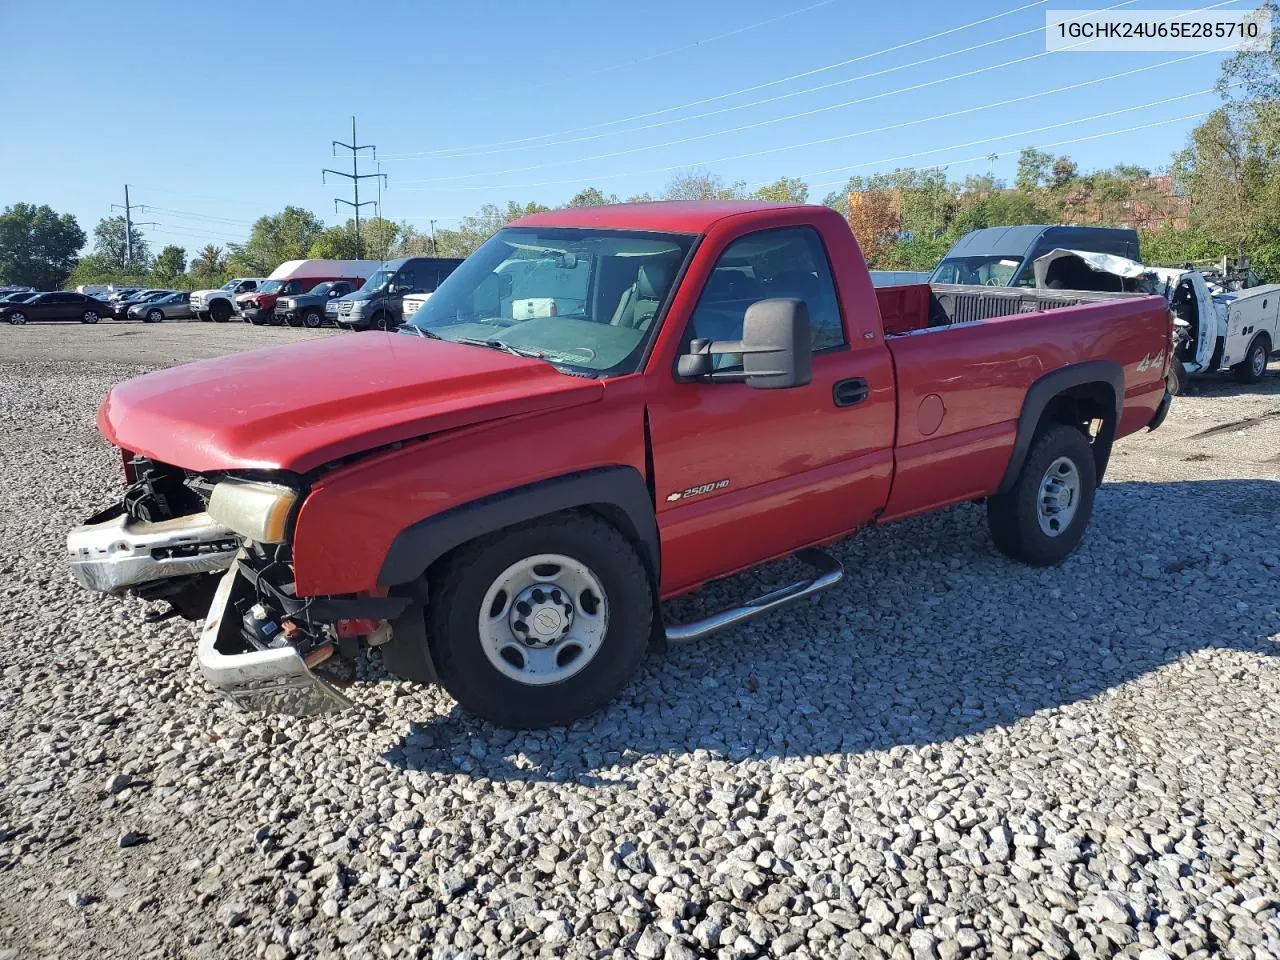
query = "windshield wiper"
{"x": 406, "y": 327}
{"x": 505, "y": 347}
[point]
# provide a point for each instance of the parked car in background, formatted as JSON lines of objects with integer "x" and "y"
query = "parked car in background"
{"x": 120, "y": 308}
{"x": 218, "y": 305}
{"x": 58, "y": 305}
{"x": 295, "y": 277}
{"x": 1003, "y": 256}
{"x": 170, "y": 306}
{"x": 20, "y": 297}
{"x": 10, "y": 291}
{"x": 308, "y": 309}
{"x": 379, "y": 304}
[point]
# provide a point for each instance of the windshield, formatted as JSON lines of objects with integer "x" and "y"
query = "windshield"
{"x": 230, "y": 285}
{"x": 377, "y": 281}
{"x": 320, "y": 289}
{"x": 992, "y": 271}
{"x": 583, "y": 299}
{"x": 271, "y": 286}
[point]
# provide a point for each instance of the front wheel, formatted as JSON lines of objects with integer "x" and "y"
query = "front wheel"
{"x": 1175, "y": 380}
{"x": 382, "y": 322}
{"x": 1043, "y": 517}
{"x": 1254, "y": 366}
{"x": 155, "y": 316}
{"x": 313, "y": 319}
{"x": 17, "y": 319}
{"x": 220, "y": 311}
{"x": 540, "y": 624}
{"x": 89, "y": 316}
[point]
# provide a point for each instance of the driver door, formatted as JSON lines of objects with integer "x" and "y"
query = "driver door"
{"x": 743, "y": 474}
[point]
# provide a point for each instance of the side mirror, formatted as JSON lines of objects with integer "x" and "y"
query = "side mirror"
{"x": 776, "y": 348}
{"x": 567, "y": 260}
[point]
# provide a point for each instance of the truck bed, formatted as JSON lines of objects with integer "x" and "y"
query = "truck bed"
{"x": 966, "y": 356}
{"x": 922, "y": 307}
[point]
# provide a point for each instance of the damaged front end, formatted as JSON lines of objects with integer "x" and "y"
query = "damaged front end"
{"x": 158, "y": 543}
{"x": 260, "y": 643}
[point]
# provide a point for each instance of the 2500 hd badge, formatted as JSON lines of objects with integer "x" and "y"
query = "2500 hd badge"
{"x": 696, "y": 491}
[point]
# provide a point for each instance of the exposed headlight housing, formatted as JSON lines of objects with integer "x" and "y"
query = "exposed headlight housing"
{"x": 258, "y": 511}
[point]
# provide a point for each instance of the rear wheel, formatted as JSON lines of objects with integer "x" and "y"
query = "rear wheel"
{"x": 220, "y": 311}
{"x": 313, "y": 319}
{"x": 89, "y": 316}
{"x": 540, "y": 624}
{"x": 1043, "y": 517}
{"x": 1254, "y": 366}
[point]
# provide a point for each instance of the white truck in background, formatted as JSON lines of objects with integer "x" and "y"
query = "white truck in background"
{"x": 1216, "y": 329}
{"x": 218, "y": 305}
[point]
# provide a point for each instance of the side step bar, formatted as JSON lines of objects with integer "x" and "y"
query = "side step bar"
{"x": 827, "y": 573}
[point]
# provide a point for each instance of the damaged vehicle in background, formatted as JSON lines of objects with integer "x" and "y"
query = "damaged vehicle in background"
{"x": 1220, "y": 325}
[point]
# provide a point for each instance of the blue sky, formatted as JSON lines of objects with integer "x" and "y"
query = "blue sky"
{"x": 218, "y": 113}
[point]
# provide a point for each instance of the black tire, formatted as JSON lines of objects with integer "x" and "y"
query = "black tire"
{"x": 458, "y": 590}
{"x": 381, "y": 321}
{"x": 89, "y": 316}
{"x": 313, "y": 319}
{"x": 1254, "y": 366}
{"x": 1014, "y": 517}
{"x": 155, "y": 316}
{"x": 17, "y": 319}
{"x": 203, "y": 316}
{"x": 1176, "y": 380}
{"x": 220, "y": 311}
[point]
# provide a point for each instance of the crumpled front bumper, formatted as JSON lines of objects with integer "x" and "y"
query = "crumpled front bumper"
{"x": 275, "y": 680}
{"x": 112, "y": 552}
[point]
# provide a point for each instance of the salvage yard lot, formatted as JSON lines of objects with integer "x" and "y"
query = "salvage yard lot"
{"x": 949, "y": 754}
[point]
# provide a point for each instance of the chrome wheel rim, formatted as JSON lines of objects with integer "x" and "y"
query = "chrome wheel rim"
{"x": 17, "y": 319}
{"x": 543, "y": 619}
{"x": 156, "y": 316}
{"x": 1259, "y": 361}
{"x": 89, "y": 317}
{"x": 1059, "y": 497}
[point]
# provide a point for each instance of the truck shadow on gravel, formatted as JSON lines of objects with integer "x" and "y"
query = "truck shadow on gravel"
{"x": 932, "y": 636}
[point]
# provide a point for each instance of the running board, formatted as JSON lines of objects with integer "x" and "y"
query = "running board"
{"x": 828, "y": 572}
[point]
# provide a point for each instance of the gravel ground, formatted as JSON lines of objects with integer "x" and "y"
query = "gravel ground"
{"x": 950, "y": 755}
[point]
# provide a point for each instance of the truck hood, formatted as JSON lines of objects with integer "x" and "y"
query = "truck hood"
{"x": 300, "y": 406}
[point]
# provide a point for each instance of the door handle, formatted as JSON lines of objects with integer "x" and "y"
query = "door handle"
{"x": 846, "y": 393}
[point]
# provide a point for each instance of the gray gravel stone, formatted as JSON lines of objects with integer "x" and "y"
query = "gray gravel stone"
{"x": 947, "y": 755}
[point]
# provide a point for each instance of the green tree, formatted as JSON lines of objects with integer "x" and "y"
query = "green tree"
{"x": 287, "y": 235}
{"x": 1034, "y": 168}
{"x": 210, "y": 262}
{"x": 700, "y": 185}
{"x": 37, "y": 246}
{"x": 783, "y": 190}
{"x": 170, "y": 264}
{"x": 111, "y": 248}
{"x": 590, "y": 197}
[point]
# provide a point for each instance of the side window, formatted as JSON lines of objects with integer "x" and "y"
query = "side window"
{"x": 1028, "y": 276}
{"x": 789, "y": 262}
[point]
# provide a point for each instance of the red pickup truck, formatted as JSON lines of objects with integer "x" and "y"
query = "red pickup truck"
{"x": 599, "y": 410}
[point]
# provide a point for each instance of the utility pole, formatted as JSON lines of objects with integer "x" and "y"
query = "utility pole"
{"x": 129, "y": 225}
{"x": 355, "y": 176}
{"x": 434, "y": 252}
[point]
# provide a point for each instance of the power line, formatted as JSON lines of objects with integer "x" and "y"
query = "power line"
{"x": 1023, "y": 133}
{"x": 693, "y": 45}
{"x": 191, "y": 215}
{"x": 466, "y": 151}
{"x": 982, "y": 158}
{"x": 823, "y": 140}
{"x": 762, "y": 123}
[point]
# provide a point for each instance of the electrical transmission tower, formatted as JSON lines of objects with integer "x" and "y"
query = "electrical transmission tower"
{"x": 355, "y": 176}
{"x": 129, "y": 225}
